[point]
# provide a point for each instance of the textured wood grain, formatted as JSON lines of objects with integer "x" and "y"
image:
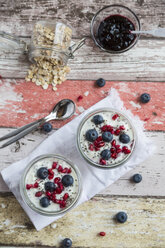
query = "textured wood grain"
{"x": 145, "y": 62}
{"x": 21, "y": 102}
{"x": 144, "y": 228}
{"x": 152, "y": 170}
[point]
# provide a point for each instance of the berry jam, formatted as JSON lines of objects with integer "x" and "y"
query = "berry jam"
{"x": 114, "y": 33}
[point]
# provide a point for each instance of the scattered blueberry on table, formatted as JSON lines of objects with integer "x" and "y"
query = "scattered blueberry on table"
{"x": 145, "y": 98}
{"x": 47, "y": 127}
{"x": 66, "y": 243}
{"x": 137, "y": 178}
{"x": 100, "y": 82}
{"x": 121, "y": 217}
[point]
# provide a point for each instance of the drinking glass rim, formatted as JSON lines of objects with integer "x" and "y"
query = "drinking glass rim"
{"x": 111, "y": 51}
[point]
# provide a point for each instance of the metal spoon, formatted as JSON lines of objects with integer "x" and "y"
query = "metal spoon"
{"x": 61, "y": 111}
{"x": 160, "y": 32}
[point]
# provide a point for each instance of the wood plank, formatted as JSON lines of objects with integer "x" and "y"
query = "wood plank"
{"x": 145, "y": 62}
{"x": 21, "y": 102}
{"x": 144, "y": 228}
{"x": 152, "y": 170}
{"x": 18, "y": 18}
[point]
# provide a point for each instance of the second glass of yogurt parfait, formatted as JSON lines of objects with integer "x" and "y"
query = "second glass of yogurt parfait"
{"x": 106, "y": 138}
{"x": 50, "y": 185}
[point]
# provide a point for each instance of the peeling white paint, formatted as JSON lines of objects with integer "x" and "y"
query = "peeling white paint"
{"x": 124, "y": 88}
{"x": 35, "y": 116}
{"x": 135, "y": 105}
{"x": 6, "y": 222}
{"x": 102, "y": 91}
{"x": 3, "y": 205}
{"x": 9, "y": 232}
{"x": 54, "y": 225}
{"x": 57, "y": 93}
{"x": 17, "y": 226}
{"x": 81, "y": 109}
{"x": 86, "y": 93}
{"x": 21, "y": 111}
{"x": 8, "y": 94}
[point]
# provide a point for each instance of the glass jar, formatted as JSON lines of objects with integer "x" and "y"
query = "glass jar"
{"x": 110, "y": 11}
{"x": 91, "y": 151}
{"x": 50, "y": 40}
{"x": 30, "y": 176}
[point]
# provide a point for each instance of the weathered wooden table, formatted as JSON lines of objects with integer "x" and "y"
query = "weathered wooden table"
{"x": 142, "y": 69}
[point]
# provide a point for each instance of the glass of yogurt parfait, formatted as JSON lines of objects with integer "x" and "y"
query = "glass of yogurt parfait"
{"x": 50, "y": 185}
{"x": 106, "y": 138}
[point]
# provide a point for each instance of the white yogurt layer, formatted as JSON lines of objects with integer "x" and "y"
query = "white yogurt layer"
{"x": 31, "y": 178}
{"x": 94, "y": 156}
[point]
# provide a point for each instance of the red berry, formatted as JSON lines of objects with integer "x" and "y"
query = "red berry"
{"x": 54, "y": 165}
{"x": 58, "y": 201}
{"x": 50, "y": 171}
{"x": 117, "y": 131}
{"x": 127, "y": 151}
{"x": 91, "y": 147}
{"x": 60, "y": 185}
{"x": 66, "y": 196}
{"x": 29, "y": 186}
{"x": 97, "y": 149}
{"x": 102, "y": 161}
{"x": 79, "y": 98}
{"x": 63, "y": 204}
{"x": 113, "y": 143}
{"x": 60, "y": 169}
{"x": 38, "y": 194}
{"x": 57, "y": 180}
{"x": 118, "y": 150}
{"x": 65, "y": 170}
{"x": 58, "y": 191}
{"x": 124, "y": 148}
{"x": 117, "y": 146}
{"x": 102, "y": 233}
{"x": 146, "y": 119}
{"x": 35, "y": 185}
{"x": 114, "y": 117}
{"x": 122, "y": 127}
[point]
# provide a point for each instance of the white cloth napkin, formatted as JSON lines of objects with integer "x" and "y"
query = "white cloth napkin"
{"x": 63, "y": 142}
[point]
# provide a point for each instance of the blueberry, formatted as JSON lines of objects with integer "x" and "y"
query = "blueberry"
{"x": 100, "y": 82}
{"x": 91, "y": 135}
{"x": 67, "y": 180}
{"x": 121, "y": 217}
{"x": 124, "y": 138}
{"x": 50, "y": 186}
{"x": 107, "y": 136}
{"x": 106, "y": 154}
{"x": 67, "y": 243}
{"x": 42, "y": 172}
{"x": 47, "y": 127}
{"x": 137, "y": 178}
{"x": 98, "y": 119}
{"x": 145, "y": 97}
{"x": 45, "y": 202}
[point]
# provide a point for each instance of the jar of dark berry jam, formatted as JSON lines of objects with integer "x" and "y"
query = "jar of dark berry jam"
{"x": 111, "y": 28}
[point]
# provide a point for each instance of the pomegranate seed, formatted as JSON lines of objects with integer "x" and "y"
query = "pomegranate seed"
{"x": 29, "y": 186}
{"x": 79, "y": 98}
{"x": 114, "y": 117}
{"x": 58, "y": 191}
{"x": 104, "y": 128}
{"x": 117, "y": 146}
{"x": 50, "y": 171}
{"x": 69, "y": 170}
{"x": 114, "y": 155}
{"x": 91, "y": 147}
{"x": 97, "y": 149}
{"x": 48, "y": 193}
{"x": 57, "y": 180}
{"x": 38, "y": 194}
{"x": 50, "y": 177}
{"x": 60, "y": 169}
{"x": 113, "y": 143}
{"x": 58, "y": 201}
{"x": 99, "y": 139}
{"x": 118, "y": 150}
{"x": 124, "y": 148}
{"x": 54, "y": 165}
{"x": 127, "y": 151}
{"x": 112, "y": 131}
{"x": 113, "y": 150}
{"x": 60, "y": 185}
{"x": 53, "y": 197}
{"x": 66, "y": 196}
{"x": 63, "y": 204}
{"x": 65, "y": 170}
{"x": 102, "y": 161}
{"x": 35, "y": 185}
{"x": 146, "y": 119}
{"x": 122, "y": 127}
{"x": 117, "y": 132}
{"x": 102, "y": 233}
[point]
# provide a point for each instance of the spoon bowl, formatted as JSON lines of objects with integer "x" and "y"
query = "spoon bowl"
{"x": 64, "y": 109}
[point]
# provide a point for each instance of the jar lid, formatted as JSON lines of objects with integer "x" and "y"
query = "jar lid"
{"x": 10, "y": 42}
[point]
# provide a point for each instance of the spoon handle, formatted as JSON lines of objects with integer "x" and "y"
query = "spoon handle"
{"x": 19, "y": 130}
{"x": 23, "y": 133}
